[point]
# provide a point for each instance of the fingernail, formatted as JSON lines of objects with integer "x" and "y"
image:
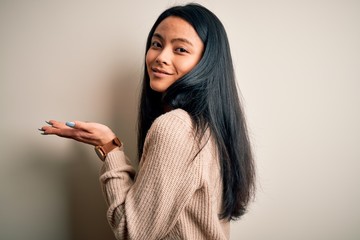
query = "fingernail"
{"x": 70, "y": 124}
{"x": 48, "y": 122}
{"x": 42, "y": 131}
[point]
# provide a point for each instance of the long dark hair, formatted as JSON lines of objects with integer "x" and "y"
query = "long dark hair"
{"x": 209, "y": 94}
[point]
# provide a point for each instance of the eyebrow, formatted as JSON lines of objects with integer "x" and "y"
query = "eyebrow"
{"x": 174, "y": 40}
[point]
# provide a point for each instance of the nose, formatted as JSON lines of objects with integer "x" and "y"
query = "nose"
{"x": 163, "y": 57}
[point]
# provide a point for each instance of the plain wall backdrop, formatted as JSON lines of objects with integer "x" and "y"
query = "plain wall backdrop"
{"x": 298, "y": 69}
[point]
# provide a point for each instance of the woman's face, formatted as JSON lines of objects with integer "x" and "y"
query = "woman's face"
{"x": 175, "y": 49}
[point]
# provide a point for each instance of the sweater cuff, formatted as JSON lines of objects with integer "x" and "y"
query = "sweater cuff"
{"x": 114, "y": 160}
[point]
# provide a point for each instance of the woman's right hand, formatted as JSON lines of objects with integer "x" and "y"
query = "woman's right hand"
{"x": 87, "y": 132}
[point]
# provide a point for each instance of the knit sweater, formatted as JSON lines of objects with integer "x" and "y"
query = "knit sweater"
{"x": 177, "y": 192}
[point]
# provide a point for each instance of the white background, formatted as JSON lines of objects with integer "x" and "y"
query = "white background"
{"x": 298, "y": 68}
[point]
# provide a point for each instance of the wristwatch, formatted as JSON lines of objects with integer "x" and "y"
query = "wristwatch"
{"x": 103, "y": 150}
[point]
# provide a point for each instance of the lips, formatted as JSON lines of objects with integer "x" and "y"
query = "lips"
{"x": 160, "y": 71}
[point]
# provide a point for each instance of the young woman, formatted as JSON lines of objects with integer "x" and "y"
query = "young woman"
{"x": 196, "y": 169}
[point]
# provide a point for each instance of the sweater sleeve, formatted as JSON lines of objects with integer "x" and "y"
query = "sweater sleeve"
{"x": 149, "y": 207}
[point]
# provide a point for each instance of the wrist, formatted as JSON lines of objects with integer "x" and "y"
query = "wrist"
{"x": 107, "y": 138}
{"x": 103, "y": 150}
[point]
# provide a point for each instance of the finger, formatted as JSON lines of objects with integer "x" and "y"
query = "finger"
{"x": 51, "y": 130}
{"x": 56, "y": 124}
{"x": 42, "y": 131}
{"x": 51, "y": 124}
{"x": 67, "y": 132}
{"x": 79, "y": 125}
{"x": 70, "y": 124}
{"x": 76, "y": 134}
{"x": 52, "y": 127}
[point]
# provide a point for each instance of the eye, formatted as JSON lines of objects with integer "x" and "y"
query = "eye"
{"x": 181, "y": 50}
{"x": 155, "y": 44}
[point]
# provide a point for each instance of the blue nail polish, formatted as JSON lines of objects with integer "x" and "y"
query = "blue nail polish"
{"x": 48, "y": 122}
{"x": 70, "y": 124}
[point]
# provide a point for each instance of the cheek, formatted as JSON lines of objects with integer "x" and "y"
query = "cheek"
{"x": 147, "y": 59}
{"x": 186, "y": 66}
{"x": 150, "y": 57}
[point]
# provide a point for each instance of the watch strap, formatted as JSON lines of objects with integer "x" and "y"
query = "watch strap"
{"x": 103, "y": 150}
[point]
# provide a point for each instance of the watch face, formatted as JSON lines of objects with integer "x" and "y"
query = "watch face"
{"x": 100, "y": 153}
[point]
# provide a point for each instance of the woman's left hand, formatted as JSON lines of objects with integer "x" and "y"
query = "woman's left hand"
{"x": 90, "y": 133}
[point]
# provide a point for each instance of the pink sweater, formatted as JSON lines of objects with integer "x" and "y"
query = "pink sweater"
{"x": 177, "y": 193}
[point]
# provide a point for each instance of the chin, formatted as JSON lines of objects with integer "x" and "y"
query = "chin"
{"x": 157, "y": 88}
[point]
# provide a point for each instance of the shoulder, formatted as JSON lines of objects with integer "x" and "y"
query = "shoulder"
{"x": 170, "y": 136}
{"x": 175, "y": 125}
{"x": 175, "y": 119}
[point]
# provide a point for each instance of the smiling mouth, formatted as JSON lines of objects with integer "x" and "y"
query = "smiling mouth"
{"x": 157, "y": 70}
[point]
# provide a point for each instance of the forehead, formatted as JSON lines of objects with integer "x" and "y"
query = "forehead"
{"x": 176, "y": 27}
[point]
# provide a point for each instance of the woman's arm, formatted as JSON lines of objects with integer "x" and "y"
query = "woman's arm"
{"x": 149, "y": 207}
